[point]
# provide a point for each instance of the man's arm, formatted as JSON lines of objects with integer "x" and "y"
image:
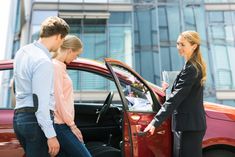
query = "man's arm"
{"x": 42, "y": 82}
{"x": 41, "y": 86}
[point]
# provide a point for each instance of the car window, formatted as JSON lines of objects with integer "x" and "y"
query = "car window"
{"x": 92, "y": 88}
{"x": 7, "y": 99}
{"x": 137, "y": 94}
{"x": 88, "y": 87}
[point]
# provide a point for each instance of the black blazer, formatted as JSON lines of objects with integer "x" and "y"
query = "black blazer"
{"x": 185, "y": 103}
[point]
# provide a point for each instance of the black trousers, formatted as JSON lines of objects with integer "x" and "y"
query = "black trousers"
{"x": 188, "y": 143}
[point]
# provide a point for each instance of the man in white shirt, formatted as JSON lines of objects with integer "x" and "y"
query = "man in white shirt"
{"x": 34, "y": 84}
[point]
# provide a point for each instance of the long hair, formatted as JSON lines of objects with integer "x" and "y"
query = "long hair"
{"x": 196, "y": 59}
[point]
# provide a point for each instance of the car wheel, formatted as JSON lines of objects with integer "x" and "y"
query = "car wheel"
{"x": 218, "y": 153}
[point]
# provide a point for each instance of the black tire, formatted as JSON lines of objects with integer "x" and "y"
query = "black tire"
{"x": 218, "y": 153}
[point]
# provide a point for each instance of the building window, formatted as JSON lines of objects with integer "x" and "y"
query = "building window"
{"x": 120, "y": 18}
{"x": 218, "y": 1}
{"x": 221, "y": 34}
{"x": 169, "y": 29}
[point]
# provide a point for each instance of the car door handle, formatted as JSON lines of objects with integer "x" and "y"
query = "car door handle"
{"x": 161, "y": 132}
{"x": 140, "y": 134}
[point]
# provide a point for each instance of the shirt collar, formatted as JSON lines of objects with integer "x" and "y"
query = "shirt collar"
{"x": 41, "y": 46}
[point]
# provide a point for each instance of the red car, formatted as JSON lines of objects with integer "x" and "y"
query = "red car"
{"x": 112, "y": 120}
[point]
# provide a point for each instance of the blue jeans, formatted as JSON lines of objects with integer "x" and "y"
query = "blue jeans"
{"x": 30, "y": 135}
{"x": 70, "y": 146}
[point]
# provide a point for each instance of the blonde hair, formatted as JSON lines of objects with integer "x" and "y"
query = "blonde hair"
{"x": 196, "y": 59}
{"x": 70, "y": 42}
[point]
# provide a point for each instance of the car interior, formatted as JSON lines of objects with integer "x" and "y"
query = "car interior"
{"x": 102, "y": 132}
{"x": 101, "y": 121}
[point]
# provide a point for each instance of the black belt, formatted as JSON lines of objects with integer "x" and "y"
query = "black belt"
{"x": 29, "y": 110}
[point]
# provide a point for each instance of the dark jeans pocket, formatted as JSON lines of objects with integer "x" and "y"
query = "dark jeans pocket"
{"x": 29, "y": 130}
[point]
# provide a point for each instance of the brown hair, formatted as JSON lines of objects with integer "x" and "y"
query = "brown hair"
{"x": 196, "y": 59}
{"x": 52, "y": 26}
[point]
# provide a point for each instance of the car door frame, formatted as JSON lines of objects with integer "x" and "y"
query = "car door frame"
{"x": 129, "y": 117}
{"x": 127, "y": 147}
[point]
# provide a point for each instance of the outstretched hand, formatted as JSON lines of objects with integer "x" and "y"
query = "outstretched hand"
{"x": 150, "y": 128}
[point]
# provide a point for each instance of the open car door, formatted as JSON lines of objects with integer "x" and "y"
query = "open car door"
{"x": 140, "y": 104}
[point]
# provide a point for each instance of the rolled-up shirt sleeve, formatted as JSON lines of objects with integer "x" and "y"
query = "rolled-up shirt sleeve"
{"x": 42, "y": 82}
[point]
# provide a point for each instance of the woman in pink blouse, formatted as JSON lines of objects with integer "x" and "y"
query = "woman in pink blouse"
{"x": 69, "y": 136}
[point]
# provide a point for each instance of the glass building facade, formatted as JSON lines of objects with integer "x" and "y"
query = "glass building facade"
{"x": 143, "y": 34}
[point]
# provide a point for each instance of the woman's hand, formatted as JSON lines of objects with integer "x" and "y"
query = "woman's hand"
{"x": 150, "y": 128}
{"x": 77, "y": 133}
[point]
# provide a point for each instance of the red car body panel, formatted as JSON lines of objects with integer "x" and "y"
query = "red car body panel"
{"x": 158, "y": 144}
{"x": 220, "y": 123}
{"x": 9, "y": 145}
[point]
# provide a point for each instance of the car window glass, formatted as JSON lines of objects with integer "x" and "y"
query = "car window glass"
{"x": 91, "y": 88}
{"x": 7, "y": 99}
{"x": 136, "y": 93}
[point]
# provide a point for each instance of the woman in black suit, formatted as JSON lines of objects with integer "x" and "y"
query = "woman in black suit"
{"x": 185, "y": 102}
